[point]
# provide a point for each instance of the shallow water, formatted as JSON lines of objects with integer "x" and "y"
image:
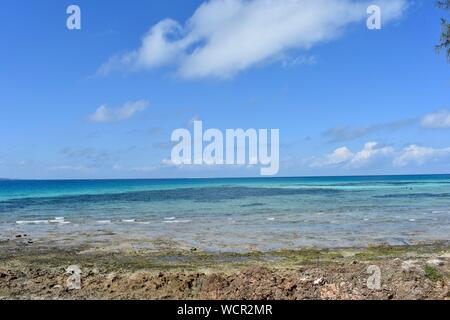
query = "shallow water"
{"x": 222, "y": 214}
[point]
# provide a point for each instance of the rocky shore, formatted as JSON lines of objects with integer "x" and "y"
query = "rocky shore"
{"x": 31, "y": 270}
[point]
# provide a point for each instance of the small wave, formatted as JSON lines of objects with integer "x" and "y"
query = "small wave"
{"x": 59, "y": 220}
{"x": 177, "y": 221}
{"x": 104, "y": 221}
{"x": 170, "y": 218}
{"x": 128, "y": 220}
{"x": 55, "y": 221}
{"x": 33, "y": 222}
{"x": 271, "y": 219}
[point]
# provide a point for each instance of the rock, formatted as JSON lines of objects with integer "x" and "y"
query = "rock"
{"x": 409, "y": 265}
{"x": 329, "y": 292}
{"x": 319, "y": 282}
{"x": 435, "y": 262}
{"x": 111, "y": 277}
{"x": 94, "y": 272}
{"x": 304, "y": 279}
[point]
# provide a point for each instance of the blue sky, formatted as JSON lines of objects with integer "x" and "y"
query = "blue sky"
{"x": 102, "y": 102}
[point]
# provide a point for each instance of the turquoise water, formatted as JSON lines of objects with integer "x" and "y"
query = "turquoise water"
{"x": 214, "y": 214}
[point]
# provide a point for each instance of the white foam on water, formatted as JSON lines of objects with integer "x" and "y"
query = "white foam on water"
{"x": 271, "y": 219}
{"x": 170, "y": 218}
{"x": 412, "y": 220}
{"x": 33, "y": 222}
{"x": 59, "y": 220}
{"x": 104, "y": 221}
{"x": 129, "y": 220}
{"x": 177, "y": 221}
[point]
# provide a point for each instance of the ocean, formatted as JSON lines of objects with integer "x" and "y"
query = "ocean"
{"x": 233, "y": 214}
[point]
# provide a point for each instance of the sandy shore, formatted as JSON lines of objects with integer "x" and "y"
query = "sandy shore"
{"x": 31, "y": 270}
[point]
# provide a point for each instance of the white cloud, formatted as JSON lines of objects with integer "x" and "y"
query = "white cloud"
{"x": 168, "y": 162}
{"x": 345, "y": 157}
{"x": 225, "y": 37}
{"x": 105, "y": 114}
{"x": 420, "y": 155}
{"x": 440, "y": 119}
{"x": 371, "y": 151}
{"x": 339, "y": 156}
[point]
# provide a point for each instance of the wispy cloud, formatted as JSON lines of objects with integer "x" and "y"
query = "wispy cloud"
{"x": 299, "y": 60}
{"x": 105, "y": 114}
{"x": 345, "y": 133}
{"x": 437, "y": 120}
{"x": 70, "y": 168}
{"x": 225, "y": 37}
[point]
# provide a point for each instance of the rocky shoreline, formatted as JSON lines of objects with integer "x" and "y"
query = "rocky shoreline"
{"x": 43, "y": 271}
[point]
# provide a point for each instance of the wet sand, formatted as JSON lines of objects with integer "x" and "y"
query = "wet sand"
{"x": 38, "y": 270}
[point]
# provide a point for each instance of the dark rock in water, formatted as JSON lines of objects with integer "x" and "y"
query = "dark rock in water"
{"x": 18, "y": 236}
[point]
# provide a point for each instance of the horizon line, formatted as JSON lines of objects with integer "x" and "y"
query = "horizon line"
{"x": 233, "y": 178}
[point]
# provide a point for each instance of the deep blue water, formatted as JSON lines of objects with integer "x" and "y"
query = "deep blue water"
{"x": 261, "y": 212}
